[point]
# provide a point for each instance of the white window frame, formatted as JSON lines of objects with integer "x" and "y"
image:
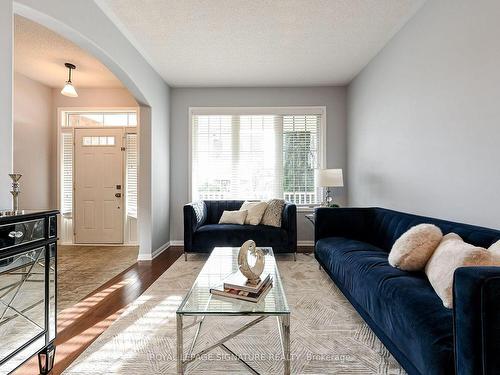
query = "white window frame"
{"x": 292, "y": 110}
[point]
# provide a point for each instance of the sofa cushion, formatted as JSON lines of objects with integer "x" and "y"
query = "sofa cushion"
{"x": 216, "y": 208}
{"x": 235, "y": 235}
{"x": 451, "y": 254}
{"x": 495, "y": 249}
{"x": 273, "y": 213}
{"x": 414, "y": 248}
{"x": 255, "y": 211}
{"x": 401, "y": 304}
{"x": 233, "y": 217}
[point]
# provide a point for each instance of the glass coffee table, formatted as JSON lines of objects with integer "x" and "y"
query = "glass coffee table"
{"x": 199, "y": 303}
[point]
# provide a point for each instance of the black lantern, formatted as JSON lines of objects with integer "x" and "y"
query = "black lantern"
{"x": 46, "y": 359}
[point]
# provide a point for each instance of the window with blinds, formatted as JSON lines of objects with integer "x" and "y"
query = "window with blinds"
{"x": 255, "y": 156}
{"x": 132, "y": 160}
{"x": 66, "y": 173}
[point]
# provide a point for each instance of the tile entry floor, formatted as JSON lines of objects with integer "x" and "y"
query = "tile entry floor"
{"x": 82, "y": 269}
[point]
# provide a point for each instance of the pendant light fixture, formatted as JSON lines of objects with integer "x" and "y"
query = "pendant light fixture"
{"x": 69, "y": 89}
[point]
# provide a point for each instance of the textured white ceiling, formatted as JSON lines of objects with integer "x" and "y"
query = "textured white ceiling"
{"x": 259, "y": 42}
{"x": 40, "y": 54}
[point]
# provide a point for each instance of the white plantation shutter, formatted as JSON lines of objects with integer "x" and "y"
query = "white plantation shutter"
{"x": 131, "y": 174}
{"x": 67, "y": 173}
{"x": 247, "y": 156}
{"x": 300, "y": 155}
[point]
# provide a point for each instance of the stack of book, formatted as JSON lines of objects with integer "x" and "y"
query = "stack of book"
{"x": 236, "y": 286}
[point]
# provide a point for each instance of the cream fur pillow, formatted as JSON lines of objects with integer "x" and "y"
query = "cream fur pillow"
{"x": 233, "y": 217}
{"x": 495, "y": 250}
{"x": 413, "y": 249}
{"x": 255, "y": 211}
{"x": 451, "y": 254}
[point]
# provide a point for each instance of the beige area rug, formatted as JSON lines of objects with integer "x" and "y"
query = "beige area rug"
{"x": 327, "y": 335}
{"x": 83, "y": 269}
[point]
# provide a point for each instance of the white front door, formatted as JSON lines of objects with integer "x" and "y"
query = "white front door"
{"x": 98, "y": 186}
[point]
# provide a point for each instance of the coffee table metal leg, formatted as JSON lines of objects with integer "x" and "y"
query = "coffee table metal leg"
{"x": 195, "y": 337}
{"x": 180, "y": 345}
{"x": 285, "y": 329}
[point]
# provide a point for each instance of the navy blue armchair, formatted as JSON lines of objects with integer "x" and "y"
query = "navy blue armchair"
{"x": 202, "y": 232}
{"x": 352, "y": 245}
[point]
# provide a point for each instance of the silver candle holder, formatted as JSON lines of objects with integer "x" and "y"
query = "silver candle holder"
{"x": 15, "y": 190}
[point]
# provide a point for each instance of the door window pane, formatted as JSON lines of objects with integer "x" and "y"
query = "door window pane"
{"x": 98, "y": 141}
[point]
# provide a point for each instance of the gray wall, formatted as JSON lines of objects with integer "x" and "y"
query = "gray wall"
{"x": 424, "y": 116}
{"x": 6, "y": 37}
{"x": 34, "y": 130}
{"x": 334, "y": 98}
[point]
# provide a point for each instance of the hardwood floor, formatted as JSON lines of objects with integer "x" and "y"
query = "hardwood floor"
{"x": 80, "y": 325}
{"x": 83, "y": 269}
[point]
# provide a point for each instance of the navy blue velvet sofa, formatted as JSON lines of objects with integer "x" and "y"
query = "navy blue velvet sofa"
{"x": 202, "y": 232}
{"x": 352, "y": 246}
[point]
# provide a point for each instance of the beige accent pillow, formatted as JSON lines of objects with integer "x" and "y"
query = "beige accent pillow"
{"x": 274, "y": 210}
{"x": 255, "y": 211}
{"x": 451, "y": 254}
{"x": 413, "y": 249}
{"x": 233, "y": 217}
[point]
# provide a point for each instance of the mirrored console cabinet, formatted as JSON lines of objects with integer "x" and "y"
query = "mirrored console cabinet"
{"x": 28, "y": 284}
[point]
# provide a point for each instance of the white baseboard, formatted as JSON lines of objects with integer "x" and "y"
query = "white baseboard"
{"x": 97, "y": 244}
{"x": 305, "y": 243}
{"x": 161, "y": 249}
{"x": 177, "y": 243}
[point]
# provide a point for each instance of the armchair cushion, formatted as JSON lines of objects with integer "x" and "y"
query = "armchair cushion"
{"x": 212, "y": 235}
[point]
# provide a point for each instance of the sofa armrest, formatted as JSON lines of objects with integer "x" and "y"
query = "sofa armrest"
{"x": 340, "y": 222}
{"x": 289, "y": 224}
{"x": 195, "y": 214}
{"x": 476, "y": 320}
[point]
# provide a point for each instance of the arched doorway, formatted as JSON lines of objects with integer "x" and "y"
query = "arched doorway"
{"x": 103, "y": 40}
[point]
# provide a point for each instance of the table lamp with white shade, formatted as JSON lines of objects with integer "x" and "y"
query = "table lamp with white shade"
{"x": 328, "y": 178}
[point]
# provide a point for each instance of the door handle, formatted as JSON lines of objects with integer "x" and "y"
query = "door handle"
{"x": 118, "y": 195}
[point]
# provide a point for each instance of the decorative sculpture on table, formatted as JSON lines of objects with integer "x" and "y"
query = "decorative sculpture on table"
{"x": 252, "y": 273}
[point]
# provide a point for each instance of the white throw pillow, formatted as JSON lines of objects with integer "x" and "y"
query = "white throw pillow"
{"x": 413, "y": 249}
{"x": 255, "y": 211}
{"x": 274, "y": 210}
{"x": 451, "y": 254}
{"x": 495, "y": 250}
{"x": 233, "y": 217}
